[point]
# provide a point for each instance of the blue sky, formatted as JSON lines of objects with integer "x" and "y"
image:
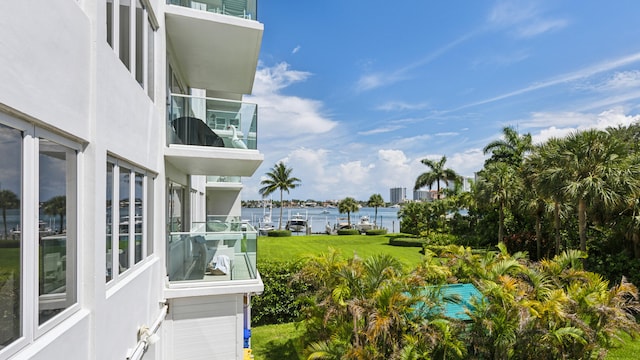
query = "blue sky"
{"x": 353, "y": 94}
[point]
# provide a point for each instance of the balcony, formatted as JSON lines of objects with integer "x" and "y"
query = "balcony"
{"x": 207, "y": 136}
{"x": 245, "y": 9}
{"x": 215, "y": 45}
{"x": 213, "y": 252}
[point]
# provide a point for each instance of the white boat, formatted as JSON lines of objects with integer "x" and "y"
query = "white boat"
{"x": 297, "y": 223}
{"x": 364, "y": 224}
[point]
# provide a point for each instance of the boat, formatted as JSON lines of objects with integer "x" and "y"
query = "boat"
{"x": 342, "y": 223}
{"x": 364, "y": 224}
{"x": 266, "y": 224}
{"x": 297, "y": 223}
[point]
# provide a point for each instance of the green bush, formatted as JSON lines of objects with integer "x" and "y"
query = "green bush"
{"x": 441, "y": 239}
{"x": 406, "y": 242}
{"x": 376, "y": 232}
{"x": 348, "y": 232}
{"x": 281, "y": 300}
{"x": 279, "y": 233}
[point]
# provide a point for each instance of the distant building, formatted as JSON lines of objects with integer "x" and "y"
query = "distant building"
{"x": 397, "y": 195}
{"x": 422, "y": 195}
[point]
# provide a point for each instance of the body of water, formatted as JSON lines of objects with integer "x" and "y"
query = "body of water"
{"x": 319, "y": 217}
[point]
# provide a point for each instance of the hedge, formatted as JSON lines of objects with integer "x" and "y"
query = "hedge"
{"x": 376, "y": 232}
{"x": 282, "y": 297}
{"x": 406, "y": 242}
{"x": 279, "y": 233}
{"x": 348, "y": 232}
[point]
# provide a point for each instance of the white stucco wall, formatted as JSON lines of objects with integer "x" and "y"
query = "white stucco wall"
{"x": 45, "y": 62}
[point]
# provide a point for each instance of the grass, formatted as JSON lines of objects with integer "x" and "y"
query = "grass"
{"x": 296, "y": 247}
{"x": 277, "y": 342}
{"x": 628, "y": 350}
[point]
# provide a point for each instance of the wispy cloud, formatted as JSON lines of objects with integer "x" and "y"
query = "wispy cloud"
{"x": 375, "y": 80}
{"x": 381, "y": 130}
{"x": 446, "y": 134}
{"x": 562, "y": 79}
{"x": 620, "y": 80}
{"x": 523, "y": 18}
{"x": 295, "y": 49}
{"x": 400, "y": 106}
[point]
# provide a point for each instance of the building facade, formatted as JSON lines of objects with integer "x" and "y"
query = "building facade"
{"x": 124, "y": 139}
{"x": 397, "y": 195}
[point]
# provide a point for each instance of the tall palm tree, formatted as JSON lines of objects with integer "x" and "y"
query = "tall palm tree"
{"x": 437, "y": 173}
{"x": 511, "y": 149}
{"x": 8, "y": 200}
{"x": 375, "y": 201}
{"x": 279, "y": 178}
{"x": 499, "y": 182}
{"x": 348, "y": 205}
{"x": 594, "y": 169}
{"x": 57, "y": 205}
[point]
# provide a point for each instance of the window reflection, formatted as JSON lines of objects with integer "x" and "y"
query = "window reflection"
{"x": 139, "y": 216}
{"x": 125, "y": 229}
{"x": 56, "y": 238}
{"x": 109, "y": 237}
{"x": 11, "y": 235}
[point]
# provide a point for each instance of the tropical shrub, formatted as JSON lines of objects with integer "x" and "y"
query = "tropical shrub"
{"x": 551, "y": 309}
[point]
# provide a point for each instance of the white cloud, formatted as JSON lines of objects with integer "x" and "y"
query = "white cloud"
{"x": 468, "y": 162}
{"x": 561, "y": 124}
{"x": 283, "y": 114}
{"x": 296, "y": 49}
{"x": 621, "y": 80}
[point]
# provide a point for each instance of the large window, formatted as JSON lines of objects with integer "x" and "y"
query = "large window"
{"x": 131, "y": 28}
{"x": 38, "y": 231}
{"x": 128, "y": 220}
{"x": 56, "y": 228}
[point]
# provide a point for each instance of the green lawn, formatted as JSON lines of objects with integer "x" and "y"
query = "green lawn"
{"x": 295, "y": 247}
{"x": 629, "y": 350}
{"x": 277, "y": 342}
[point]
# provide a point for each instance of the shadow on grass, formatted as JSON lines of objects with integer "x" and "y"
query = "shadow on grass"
{"x": 278, "y": 350}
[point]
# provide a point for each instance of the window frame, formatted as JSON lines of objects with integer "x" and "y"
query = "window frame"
{"x": 147, "y": 45}
{"x": 148, "y": 182}
{"x": 30, "y": 328}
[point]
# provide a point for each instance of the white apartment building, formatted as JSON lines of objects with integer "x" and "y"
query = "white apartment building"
{"x": 123, "y": 141}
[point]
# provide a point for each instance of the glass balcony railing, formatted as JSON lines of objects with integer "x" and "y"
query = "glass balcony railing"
{"x": 213, "y": 251}
{"x": 246, "y": 9}
{"x": 212, "y": 122}
{"x": 223, "y": 179}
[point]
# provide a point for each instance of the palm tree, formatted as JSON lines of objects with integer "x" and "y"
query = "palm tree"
{"x": 438, "y": 172}
{"x": 375, "y": 201}
{"x": 594, "y": 168}
{"x": 511, "y": 149}
{"x": 57, "y": 205}
{"x": 278, "y": 178}
{"x": 348, "y": 205}
{"x": 8, "y": 200}
{"x": 499, "y": 182}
